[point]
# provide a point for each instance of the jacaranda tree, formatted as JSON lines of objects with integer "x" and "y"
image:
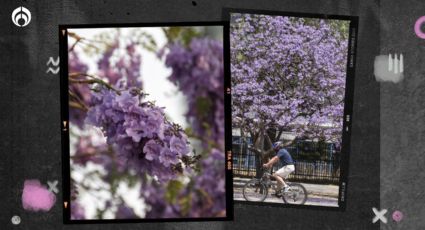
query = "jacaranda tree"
{"x": 288, "y": 74}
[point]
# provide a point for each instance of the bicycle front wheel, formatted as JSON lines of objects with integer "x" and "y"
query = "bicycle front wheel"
{"x": 254, "y": 191}
{"x": 297, "y": 194}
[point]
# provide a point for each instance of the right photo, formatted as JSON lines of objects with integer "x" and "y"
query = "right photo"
{"x": 289, "y": 92}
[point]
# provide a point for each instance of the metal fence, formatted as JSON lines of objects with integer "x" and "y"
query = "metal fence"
{"x": 315, "y": 163}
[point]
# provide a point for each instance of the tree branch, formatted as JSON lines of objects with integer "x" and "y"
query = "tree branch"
{"x": 93, "y": 80}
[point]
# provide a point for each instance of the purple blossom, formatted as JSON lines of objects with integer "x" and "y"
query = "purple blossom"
{"x": 139, "y": 132}
{"x": 126, "y": 100}
{"x": 212, "y": 180}
{"x": 80, "y": 93}
{"x": 177, "y": 145}
{"x": 198, "y": 71}
{"x": 288, "y": 73}
{"x": 151, "y": 150}
{"x": 77, "y": 211}
{"x": 126, "y": 68}
{"x": 167, "y": 157}
{"x": 125, "y": 212}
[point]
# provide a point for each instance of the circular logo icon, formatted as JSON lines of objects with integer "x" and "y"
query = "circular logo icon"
{"x": 21, "y": 16}
{"x": 16, "y": 220}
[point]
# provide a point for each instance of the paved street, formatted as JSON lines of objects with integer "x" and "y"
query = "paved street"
{"x": 318, "y": 194}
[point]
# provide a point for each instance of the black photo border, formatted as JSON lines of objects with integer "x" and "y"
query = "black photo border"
{"x": 66, "y": 173}
{"x": 348, "y": 101}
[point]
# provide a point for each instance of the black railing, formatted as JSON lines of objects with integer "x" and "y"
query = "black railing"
{"x": 314, "y": 163}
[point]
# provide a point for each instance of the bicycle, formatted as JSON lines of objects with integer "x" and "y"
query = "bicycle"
{"x": 256, "y": 190}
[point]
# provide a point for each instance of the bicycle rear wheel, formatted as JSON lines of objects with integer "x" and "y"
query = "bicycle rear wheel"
{"x": 254, "y": 191}
{"x": 297, "y": 194}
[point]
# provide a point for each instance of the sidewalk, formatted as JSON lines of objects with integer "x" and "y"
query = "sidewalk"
{"x": 322, "y": 190}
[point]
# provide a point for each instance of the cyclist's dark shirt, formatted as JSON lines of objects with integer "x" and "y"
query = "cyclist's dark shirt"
{"x": 284, "y": 157}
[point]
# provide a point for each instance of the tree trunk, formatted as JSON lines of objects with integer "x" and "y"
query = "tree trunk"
{"x": 258, "y": 156}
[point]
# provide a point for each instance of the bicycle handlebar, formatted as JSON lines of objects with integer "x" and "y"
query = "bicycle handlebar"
{"x": 267, "y": 170}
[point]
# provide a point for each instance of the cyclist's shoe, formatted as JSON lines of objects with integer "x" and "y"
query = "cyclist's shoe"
{"x": 286, "y": 189}
{"x": 278, "y": 193}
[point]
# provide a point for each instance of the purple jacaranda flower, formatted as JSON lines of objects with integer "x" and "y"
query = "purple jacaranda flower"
{"x": 177, "y": 145}
{"x": 151, "y": 150}
{"x": 198, "y": 71}
{"x": 126, "y": 100}
{"x": 125, "y": 212}
{"x": 77, "y": 211}
{"x": 167, "y": 157}
{"x": 133, "y": 127}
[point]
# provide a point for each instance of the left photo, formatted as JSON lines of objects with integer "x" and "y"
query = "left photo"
{"x": 145, "y": 139}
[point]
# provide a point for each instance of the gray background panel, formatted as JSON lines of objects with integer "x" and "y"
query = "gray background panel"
{"x": 402, "y": 117}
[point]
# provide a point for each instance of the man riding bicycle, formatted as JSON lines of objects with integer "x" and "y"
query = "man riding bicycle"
{"x": 288, "y": 166}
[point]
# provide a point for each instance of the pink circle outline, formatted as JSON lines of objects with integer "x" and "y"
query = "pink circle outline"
{"x": 418, "y": 24}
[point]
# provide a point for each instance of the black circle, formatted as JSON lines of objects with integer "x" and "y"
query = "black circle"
{"x": 128, "y": 13}
{"x": 194, "y": 3}
{"x": 21, "y": 21}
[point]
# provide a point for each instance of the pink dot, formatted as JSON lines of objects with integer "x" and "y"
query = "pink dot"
{"x": 418, "y": 30}
{"x": 36, "y": 197}
{"x": 397, "y": 216}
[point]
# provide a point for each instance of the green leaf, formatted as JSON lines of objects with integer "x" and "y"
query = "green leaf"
{"x": 203, "y": 106}
{"x": 182, "y": 34}
{"x": 188, "y": 34}
{"x": 185, "y": 204}
{"x": 173, "y": 189}
{"x": 240, "y": 57}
